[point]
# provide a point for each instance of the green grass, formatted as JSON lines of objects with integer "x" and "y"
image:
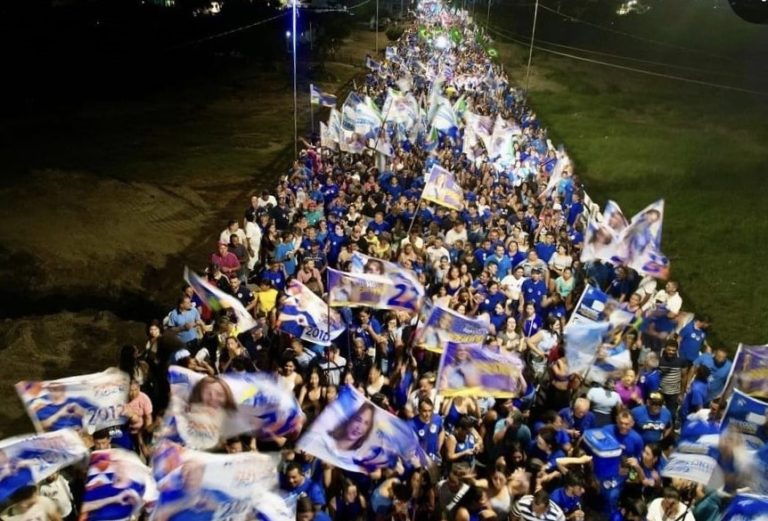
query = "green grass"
{"x": 635, "y": 139}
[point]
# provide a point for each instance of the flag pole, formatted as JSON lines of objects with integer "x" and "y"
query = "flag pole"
{"x": 295, "y": 99}
{"x": 530, "y": 50}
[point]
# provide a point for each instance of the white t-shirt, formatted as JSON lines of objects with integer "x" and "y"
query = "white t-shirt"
{"x": 603, "y": 402}
{"x": 656, "y": 512}
{"x": 451, "y": 236}
{"x": 226, "y": 234}
{"x": 673, "y": 303}
{"x": 513, "y": 286}
{"x": 58, "y": 491}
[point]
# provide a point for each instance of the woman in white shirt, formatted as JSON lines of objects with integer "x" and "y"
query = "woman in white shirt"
{"x": 604, "y": 401}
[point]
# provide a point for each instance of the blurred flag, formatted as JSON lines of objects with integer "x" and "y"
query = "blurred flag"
{"x": 318, "y": 97}
{"x": 372, "y": 64}
{"x": 471, "y": 370}
{"x": 87, "y": 402}
{"x": 749, "y": 372}
{"x": 117, "y": 486}
{"x": 444, "y": 325}
{"x": 27, "y": 460}
{"x": 697, "y": 468}
{"x": 582, "y": 340}
{"x": 747, "y": 416}
{"x": 305, "y": 315}
{"x": 353, "y": 434}
{"x": 349, "y": 111}
{"x": 641, "y": 242}
{"x": 747, "y": 508}
{"x": 368, "y": 119}
{"x": 326, "y": 137}
{"x": 217, "y": 300}
{"x": 441, "y": 188}
{"x": 369, "y": 290}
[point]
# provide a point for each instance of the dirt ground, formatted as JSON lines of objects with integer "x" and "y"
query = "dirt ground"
{"x": 109, "y": 204}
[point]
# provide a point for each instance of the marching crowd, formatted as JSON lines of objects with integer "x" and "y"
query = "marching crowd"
{"x": 514, "y": 254}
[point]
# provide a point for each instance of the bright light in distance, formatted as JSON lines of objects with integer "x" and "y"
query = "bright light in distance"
{"x": 287, "y": 34}
{"x": 441, "y": 42}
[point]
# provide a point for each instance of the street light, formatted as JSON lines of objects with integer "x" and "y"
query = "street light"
{"x": 287, "y": 41}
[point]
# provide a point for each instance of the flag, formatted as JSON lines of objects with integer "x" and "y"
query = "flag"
{"x": 595, "y": 305}
{"x": 335, "y": 128}
{"x": 361, "y": 263}
{"x": 471, "y": 370}
{"x": 214, "y": 486}
{"x": 431, "y": 140}
{"x": 372, "y": 64}
{"x": 562, "y": 164}
{"x": 441, "y": 188}
{"x": 749, "y": 372}
{"x": 353, "y": 434}
{"x": 88, "y": 402}
{"x": 746, "y": 507}
{"x": 582, "y": 340}
{"x": 326, "y": 137}
{"x": 444, "y": 118}
{"x": 391, "y": 54}
{"x": 444, "y": 325}
{"x": 747, "y": 416}
{"x": 217, "y": 300}
{"x": 460, "y": 107}
{"x": 305, "y": 315}
{"x": 641, "y": 242}
{"x": 368, "y": 290}
{"x": 368, "y": 118}
{"x": 117, "y": 486}
{"x": 349, "y": 111}
{"x": 27, "y": 460}
{"x": 318, "y": 97}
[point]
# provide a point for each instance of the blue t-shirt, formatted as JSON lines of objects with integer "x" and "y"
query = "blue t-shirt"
{"x": 428, "y": 433}
{"x": 580, "y": 424}
{"x": 691, "y": 340}
{"x": 568, "y": 504}
{"x": 650, "y": 381}
{"x": 651, "y": 428}
{"x": 632, "y": 443}
{"x": 695, "y": 398}
{"x": 718, "y": 376}
{"x": 310, "y": 489}
{"x": 178, "y": 318}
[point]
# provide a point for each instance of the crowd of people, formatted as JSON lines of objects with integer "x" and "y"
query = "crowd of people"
{"x": 512, "y": 253}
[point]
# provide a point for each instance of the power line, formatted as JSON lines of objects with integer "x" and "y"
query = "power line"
{"x": 619, "y": 56}
{"x": 227, "y": 33}
{"x": 630, "y": 35}
{"x": 634, "y": 69}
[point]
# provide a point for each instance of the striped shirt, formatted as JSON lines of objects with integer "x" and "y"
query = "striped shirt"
{"x": 523, "y": 510}
{"x": 671, "y": 374}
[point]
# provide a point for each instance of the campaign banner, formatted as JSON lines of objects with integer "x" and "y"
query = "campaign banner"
{"x": 694, "y": 467}
{"x": 361, "y": 263}
{"x": 27, "y": 460}
{"x": 217, "y": 300}
{"x": 745, "y": 507}
{"x": 85, "y": 403}
{"x": 213, "y": 486}
{"x": 595, "y": 305}
{"x": 117, "y": 486}
{"x": 582, "y": 341}
{"x": 353, "y": 434}
{"x": 471, "y": 370}
{"x": 441, "y": 188}
{"x": 305, "y": 315}
{"x": 444, "y": 325}
{"x": 374, "y": 291}
{"x": 747, "y": 416}
{"x": 749, "y": 372}
{"x": 641, "y": 242}
{"x": 205, "y": 410}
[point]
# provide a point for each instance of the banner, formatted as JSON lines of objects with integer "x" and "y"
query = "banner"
{"x": 747, "y": 508}
{"x": 318, "y": 97}
{"x": 582, "y": 340}
{"x": 444, "y": 325}
{"x": 353, "y": 434}
{"x": 215, "y": 486}
{"x": 305, "y": 315}
{"x": 27, "y": 460}
{"x": 361, "y": 263}
{"x": 746, "y": 415}
{"x": 595, "y": 305}
{"x": 471, "y": 370}
{"x": 375, "y": 291}
{"x": 641, "y": 242}
{"x": 372, "y": 64}
{"x": 117, "y": 486}
{"x": 88, "y": 402}
{"x": 694, "y": 467}
{"x": 217, "y": 300}
{"x": 749, "y": 372}
{"x": 327, "y": 138}
{"x": 442, "y": 189}
{"x": 349, "y": 111}
{"x": 205, "y": 410}
{"x": 368, "y": 119}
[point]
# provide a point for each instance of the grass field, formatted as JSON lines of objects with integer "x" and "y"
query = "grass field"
{"x": 636, "y": 138}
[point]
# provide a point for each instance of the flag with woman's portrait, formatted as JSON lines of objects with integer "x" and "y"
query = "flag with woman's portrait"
{"x": 369, "y": 290}
{"x": 353, "y": 434}
{"x": 441, "y": 188}
{"x": 444, "y": 325}
{"x": 305, "y": 315}
{"x": 474, "y": 370}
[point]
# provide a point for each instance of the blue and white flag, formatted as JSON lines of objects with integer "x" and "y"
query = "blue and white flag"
{"x": 305, "y": 315}
{"x": 373, "y": 64}
{"x": 368, "y": 119}
{"x": 749, "y": 372}
{"x": 391, "y": 54}
{"x": 318, "y": 97}
{"x": 117, "y": 487}
{"x": 215, "y": 486}
{"x": 335, "y": 129}
{"x": 444, "y": 325}
{"x": 353, "y": 434}
{"x": 444, "y": 118}
{"x": 747, "y": 416}
{"x": 361, "y": 263}
{"x": 747, "y": 508}
{"x": 349, "y": 111}
{"x": 27, "y": 460}
{"x": 697, "y": 468}
{"x": 88, "y": 402}
{"x": 217, "y": 300}
{"x": 596, "y": 305}
{"x": 641, "y": 242}
{"x": 327, "y": 139}
{"x": 369, "y": 290}
{"x": 582, "y": 340}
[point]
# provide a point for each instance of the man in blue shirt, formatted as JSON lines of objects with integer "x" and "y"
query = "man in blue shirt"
{"x": 378, "y": 225}
{"x": 275, "y": 274}
{"x": 568, "y": 497}
{"x": 653, "y": 421}
{"x": 623, "y": 432}
{"x": 534, "y": 289}
{"x": 429, "y": 429}
{"x": 184, "y": 321}
{"x": 502, "y": 261}
{"x": 692, "y": 337}
{"x": 578, "y": 418}
{"x": 298, "y": 485}
{"x": 650, "y": 376}
{"x": 547, "y": 247}
{"x": 696, "y": 397}
{"x": 719, "y": 368}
